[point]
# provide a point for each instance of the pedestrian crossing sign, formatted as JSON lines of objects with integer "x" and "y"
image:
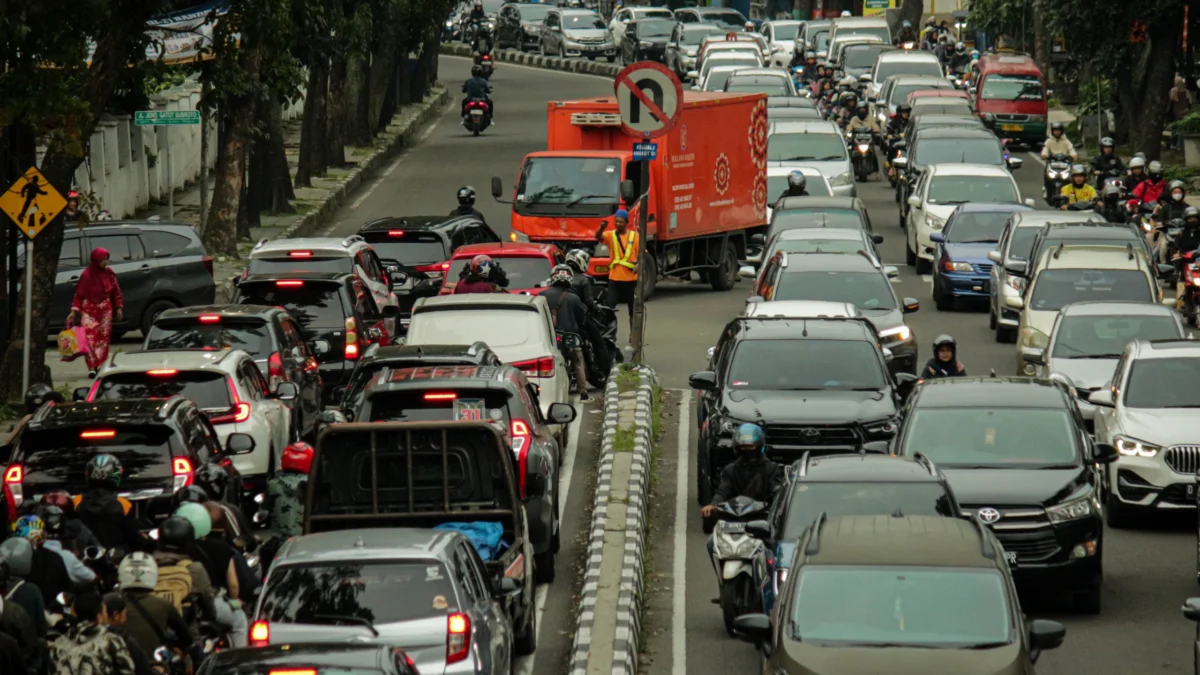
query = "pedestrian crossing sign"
{"x": 32, "y": 202}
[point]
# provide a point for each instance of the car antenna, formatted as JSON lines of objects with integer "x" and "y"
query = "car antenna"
{"x": 1129, "y": 247}
{"x": 1058, "y": 251}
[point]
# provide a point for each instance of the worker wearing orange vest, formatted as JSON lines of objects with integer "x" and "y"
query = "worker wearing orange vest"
{"x": 623, "y": 248}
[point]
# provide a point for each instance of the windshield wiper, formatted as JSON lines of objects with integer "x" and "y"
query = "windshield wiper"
{"x": 892, "y": 645}
{"x": 1096, "y": 356}
{"x": 586, "y": 197}
{"x": 338, "y": 618}
{"x": 977, "y": 241}
{"x": 1056, "y": 467}
{"x": 986, "y": 645}
{"x": 800, "y": 389}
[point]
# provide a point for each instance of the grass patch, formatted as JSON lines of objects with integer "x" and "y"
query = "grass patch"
{"x": 628, "y": 380}
{"x": 623, "y": 439}
{"x": 648, "y": 562}
{"x": 1053, "y": 102}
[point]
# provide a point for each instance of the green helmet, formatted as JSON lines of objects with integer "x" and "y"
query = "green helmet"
{"x": 198, "y": 516}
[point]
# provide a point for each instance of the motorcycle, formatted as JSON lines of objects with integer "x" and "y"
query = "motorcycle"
{"x": 739, "y": 557}
{"x": 1166, "y": 247}
{"x": 478, "y": 116}
{"x": 1104, "y": 177}
{"x": 862, "y": 154}
{"x": 895, "y": 149}
{"x": 484, "y": 61}
{"x": 1058, "y": 172}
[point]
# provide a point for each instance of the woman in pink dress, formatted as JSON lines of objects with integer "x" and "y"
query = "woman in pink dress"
{"x": 97, "y": 299}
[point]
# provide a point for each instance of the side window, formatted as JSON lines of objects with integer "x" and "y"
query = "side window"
{"x": 464, "y": 577}
{"x": 529, "y": 398}
{"x": 210, "y": 438}
{"x": 70, "y": 258}
{"x": 247, "y": 384}
{"x": 117, "y": 246}
{"x": 135, "y": 248}
{"x": 163, "y": 244}
{"x": 376, "y": 266}
{"x": 256, "y": 378}
{"x": 291, "y": 335}
{"x": 198, "y": 440}
{"x": 478, "y": 571}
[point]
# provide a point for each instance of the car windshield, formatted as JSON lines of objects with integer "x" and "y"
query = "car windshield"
{"x": 900, "y": 92}
{"x": 521, "y": 272}
{"x": 569, "y": 180}
{"x": 716, "y": 79}
{"x": 821, "y": 35}
{"x": 58, "y": 456}
{"x": 295, "y": 264}
{"x": 407, "y": 248}
{"x": 813, "y": 147}
{"x": 817, "y": 245}
{"x": 1163, "y": 383}
{"x": 740, "y": 57}
{"x": 930, "y": 151}
{"x": 928, "y": 607}
{"x": 807, "y": 364}
{"x": 785, "y": 31}
{"x": 651, "y": 28}
{"x": 218, "y": 333}
{"x": 891, "y": 67}
{"x": 963, "y": 189}
{"x": 582, "y": 22}
{"x": 794, "y": 219}
{"x": 1055, "y": 289}
{"x": 861, "y": 56}
{"x": 814, "y": 186}
{"x": 1105, "y": 337}
{"x": 442, "y": 405}
{"x": 977, "y": 227}
{"x": 1011, "y": 88}
{"x": 808, "y": 500}
{"x": 772, "y": 87}
{"x": 209, "y": 390}
{"x": 725, "y": 19}
{"x": 349, "y": 592}
{"x": 793, "y": 113}
{"x": 864, "y": 290}
{"x": 315, "y": 306}
{"x": 990, "y": 438}
{"x": 499, "y": 327}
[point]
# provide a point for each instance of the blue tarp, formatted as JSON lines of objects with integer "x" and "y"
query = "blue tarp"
{"x": 487, "y": 537}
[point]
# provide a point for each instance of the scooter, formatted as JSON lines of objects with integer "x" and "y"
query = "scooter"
{"x": 1191, "y": 286}
{"x": 863, "y": 154}
{"x": 739, "y": 558}
{"x": 483, "y": 59}
{"x": 478, "y": 116}
{"x": 1058, "y": 172}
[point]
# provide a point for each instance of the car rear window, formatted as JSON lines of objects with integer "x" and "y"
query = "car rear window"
{"x": 314, "y": 305}
{"x": 284, "y": 264}
{"x": 522, "y": 272}
{"x": 499, "y": 327}
{"x": 209, "y": 390}
{"x": 450, "y": 404}
{"x": 59, "y": 456}
{"x": 407, "y": 248}
{"x": 212, "y": 332}
{"x": 810, "y": 499}
{"x": 347, "y": 593}
{"x": 886, "y": 69}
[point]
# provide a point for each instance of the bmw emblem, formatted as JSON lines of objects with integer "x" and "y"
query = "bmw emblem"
{"x": 988, "y": 515}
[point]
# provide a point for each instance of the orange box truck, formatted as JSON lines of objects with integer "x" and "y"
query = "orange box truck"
{"x": 708, "y": 185}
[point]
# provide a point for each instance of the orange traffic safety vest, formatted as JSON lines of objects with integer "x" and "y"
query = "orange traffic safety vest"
{"x": 125, "y": 503}
{"x": 624, "y": 256}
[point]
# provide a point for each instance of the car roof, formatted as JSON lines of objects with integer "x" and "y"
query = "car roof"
{"x": 424, "y": 377}
{"x": 578, "y": 12}
{"x": 474, "y": 300}
{"x": 933, "y": 119}
{"x": 124, "y": 411}
{"x": 420, "y": 351}
{"x": 827, "y": 328}
{"x": 866, "y": 467}
{"x": 503, "y": 249}
{"x": 229, "y": 311}
{"x": 958, "y": 132}
{"x": 1093, "y": 256}
{"x": 330, "y": 245}
{"x": 1164, "y": 349}
{"x": 969, "y": 170}
{"x": 801, "y": 309}
{"x": 820, "y": 203}
{"x": 898, "y": 80}
{"x": 1039, "y": 218}
{"x": 370, "y": 543}
{"x": 761, "y": 73}
{"x": 804, "y": 127}
{"x": 420, "y": 223}
{"x": 908, "y": 55}
{"x": 992, "y": 207}
{"x": 313, "y": 655}
{"x": 783, "y": 22}
{"x": 790, "y": 102}
{"x": 640, "y": 10}
{"x": 991, "y": 392}
{"x": 697, "y": 27}
{"x": 1117, "y": 308}
{"x": 173, "y": 359}
{"x": 925, "y": 541}
{"x": 830, "y": 262}
{"x": 938, "y": 92}
{"x": 849, "y": 21}
{"x": 1095, "y": 230}
{"x": 97, "y": 226}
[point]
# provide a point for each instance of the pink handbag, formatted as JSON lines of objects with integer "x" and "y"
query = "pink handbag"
{"x": 72, "y": 343}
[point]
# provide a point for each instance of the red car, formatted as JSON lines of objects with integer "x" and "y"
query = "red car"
{"x": 526, "y": 264}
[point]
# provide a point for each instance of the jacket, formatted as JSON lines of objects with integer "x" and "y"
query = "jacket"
{"x": 582, "y": 285}
{"x": 16, "y": 623}
{"x": 11, "y": 659}
{"x": 1105, "y": 163}
{"x": 91, "y": 649}
{"x": 1131, "y": 182}
{"x": 788, "y": 193}
{"x": 476, "y": 87}
{"x": 28, "y": 597}
{"x": 285, "y": 495}
{"x": 1188, "y": 239}
{"x": 855, "y": 124}
{"x": 1172, "y": 210}
{"x": 896, "y": 125}
{"x": 1112, "y": 214}
{"x": 959, "y": 62}
{"x": 1078, "y": 193}
{"x": 470, "y": 285}
{"x": 905, "y": 35}
{"x": 935, "y": 369}
{"x": 755, "y": 477}
{"x": 141, "y": 663}
{"x": 568, "y": 310}
{"x": 1058, "y": 146}
{"x": 100, "y": 511}
{"x": 467, "y": 211}
{"x": 1149, "y": 190}
{"x": 163, "y": 615}
{"x": 50, "y": 574}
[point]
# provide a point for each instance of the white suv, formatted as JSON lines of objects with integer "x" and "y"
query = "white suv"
{"x": 227, "y": 385}
{"x": 1148, "y": 412}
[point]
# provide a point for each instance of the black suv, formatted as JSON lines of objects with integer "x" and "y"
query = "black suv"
{"x": 1019, "y": 457}
{"x": 158, "y": 265}
{"x": 163, "y": 444}
{"x": 499, "y": 395}
{"x": 415, "y": 251}
{"x": 861, "y": 484}
{"x": 812, "y": 384}
{"x": 336, "y": 308}
{"x": 269, "y": 334}
{"x": 410, "y": 356}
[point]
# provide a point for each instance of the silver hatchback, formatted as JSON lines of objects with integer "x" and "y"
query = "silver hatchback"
{"x": 812, "y": 143}
{"x": 576, "y": 32}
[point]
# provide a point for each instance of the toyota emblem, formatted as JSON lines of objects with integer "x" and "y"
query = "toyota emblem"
{"x": 810, "y": 435}
{"x": 989, "y": 515}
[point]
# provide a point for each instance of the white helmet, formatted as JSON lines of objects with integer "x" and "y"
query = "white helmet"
{"x": 846, "y": 12}
{"x": 138, "y": 570}
{"x": 848, "y": 81}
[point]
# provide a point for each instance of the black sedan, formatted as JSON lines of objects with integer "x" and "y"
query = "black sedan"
{"x": 310, "y": 658}
{"x": 646, "y": 40}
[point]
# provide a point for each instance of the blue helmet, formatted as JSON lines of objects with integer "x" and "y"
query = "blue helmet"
{"x": 749, "y": 436}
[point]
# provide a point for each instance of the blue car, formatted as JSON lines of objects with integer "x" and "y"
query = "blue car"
{"x": 962, "y": 268}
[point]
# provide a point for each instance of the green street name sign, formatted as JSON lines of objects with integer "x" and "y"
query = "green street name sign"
{"x": 149, "y": 118}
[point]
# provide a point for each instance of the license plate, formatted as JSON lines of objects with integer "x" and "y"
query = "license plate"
{"x": 1011, "y": 558}
{"x": 733, "y": 527}
{"x": 476, "y": 113}
{"x": 1012, "y": 127}
{"x": 468, "y": 409}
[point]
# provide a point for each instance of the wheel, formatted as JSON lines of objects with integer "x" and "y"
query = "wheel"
{"x": 991, "y": 319}
{"x": 924, "y": 266}
{"x": 542, "y": 48}
{"x": 562, "y": 51}
{"x": 1117, "y": 515}
{"x": 726, "y": 274}
{"x": 152, "y": 311}
{"x": 943, "y": 301}
{"x": 543, "y": 563}
{"x": 475, "y": 129}
{"x": 526, "y": 642}
{"x": 732, "y": 594}
{"x": 651, "y": 273}
{"x": 910, "y": 258}
{"x": 1004, "y": 335}
{"x": 1089, "y": 601}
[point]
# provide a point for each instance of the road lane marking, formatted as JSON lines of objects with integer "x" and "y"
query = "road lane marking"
{"x": 679, "y": 588}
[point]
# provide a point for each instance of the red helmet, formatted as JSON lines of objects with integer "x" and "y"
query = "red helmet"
{"x": 298, "y": 457}
{"x": 61, "y": 499}
{"x": 72, "y": 195}
{"x": 482, "y": 265}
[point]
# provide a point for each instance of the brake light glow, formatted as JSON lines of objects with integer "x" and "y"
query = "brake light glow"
{"x": 294, "y": 671}
{"x": 275, "y": 369}
{"x": 395, "y": 233}
{"x": 260, "y": 634}
{"x": 351, "y": 351}
{"x": 162, "y": 372}
{"x": 290, "y": 283}
{"x": 458, "y": 637}
{"x": 240, "y": 412}
{"x": 440, "y": 397}
{"x": 300, "y": 254}
{"x": 208, "y": 264}
{"x": 543, "y": 367}
{"x": 435, "y": 267}
{"x": 520, "y": 446}
{"x": 98, "y": 433}
{"x": 210, "y": 318}
{"x": 14, "y": 492}
{"x": 182, "y": 468}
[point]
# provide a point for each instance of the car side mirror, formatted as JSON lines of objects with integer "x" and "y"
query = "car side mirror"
{"x": 1013, "y": 302}
{"x": 705, "y": 380}
{"x": 1104, "y": 453}
{"x": 911, "y": 305}
{"x": 937, "y": 237}
{"x": 80, "y": 394}
{"x": 1166, "y": 271}
{"x": 398, "y": 279}
{"x": 994, "y": 256}
{"x": 1191, "y": 609}
{"x": 561, "y": 413}
{"x": 628, "y": 192}
{"x": 758, "y": 239}
{"x": 747, "y": 272}
{"x": 877, "y": 239}
{"x": 240, "y": 444}
{"x": 505, "y": 587}
{"x": 1015, "y": 163}
{"x": 389, "y": 311}
{"x": 759, "y": 529}
{"x": 1034, "y": 355}
{"x": 900, "y": 162}
{"x": 692, "y": 74}
{"x": 320, "y": 347}
{"x": 865, "y": 77}
{"x": 891, "y": 271}
{"x": 497, "y": 188}
{"x": 1102, "y": 398}
{"x": 753, "y": 628}
{"x": 1045, "y": 634}
{"x": 286, "y": 391}
{"x": 906, "y": 378}
{"x": 914, "y": 201}
{"x": 753, "y": 299}
{"x": 1029, "y": 202}
{"x": 1016, "y": 267}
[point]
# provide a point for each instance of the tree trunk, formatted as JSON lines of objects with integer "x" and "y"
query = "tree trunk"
{"x": 1142, "y": 92}
{"x": 336, "y": 133}
{"x": 360, "y": 129}
{"x": 319, "y": 158}
{"x": 430, "y": 57}
{"x": 403, "y": 80}
{"x": 220, "y": 233}
{"x": 279, "y": 184}
{"x": 258, "y": 178}
{"x": 312, "y": 127}
{"x": 416, "y": 92}
{"x": 1041, "y": 38}
{"x": 383, "y": 60}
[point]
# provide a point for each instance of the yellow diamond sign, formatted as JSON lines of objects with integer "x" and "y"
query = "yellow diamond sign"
{"x": 32, "y": 202}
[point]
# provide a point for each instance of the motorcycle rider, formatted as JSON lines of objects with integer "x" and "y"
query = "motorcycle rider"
{"x": 944, "y": 50}
{"x": 750, "y": 475}
{"x": 1078, "y": 190}
{"x": 570, "y": 316}
{"x": 929, "y": 34}
{"x": 583, "y": 286}
{"x": 899, "y": 121}
{"x": 945, "y": 361}
{"x": 89, "y": 647}
{"x": 1175, "y": 205}
{"x": 49, "y": 572}
{"x": 797, "y": 186}
{"x": 12, "y": 660}
{"x": 861, "y": 121}
{"x": 102, "y": 511}
{"x": 152, "y": 622}
{"x": 959, "y": 61}
{"x": 1110, "y": 205}
{"x": 16, "y": 556}
{"x": 847, "y": 107}
{"x": 217, "y": 558}
{"x": 1137, "y": 174}
{"x": 285, "y": 490}
{"x": 466, "y": 203}
{"x": 58, "y": 540}
{"x": 477, "y": 87}
{"x": 906, "y": 34}
{"x": 176, "y": 551}
{"x": 1058, "y": 144}
{"x": 76, "y": 535}
{"x": 1151, "y": 189}
{"x": 1189, "y": 237}
{"x": 480, "y": 272}
{"x": 114, "y": 619}
{"x": 1107, "y": 164}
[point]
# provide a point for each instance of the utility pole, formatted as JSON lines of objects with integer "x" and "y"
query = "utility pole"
{"x": 637, "y": 324}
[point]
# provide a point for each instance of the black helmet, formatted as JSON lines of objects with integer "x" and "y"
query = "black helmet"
{"x": 176, "y": 534}
{"x": 1058, "y": 126}
{"x": 38, "y": 395}
{"x": 1112, "y": 192}
{"x": 796, "y": 179}
{"x": 466, "y": 195}
{"x": 945, "y": 341}
{"x": 903, "y": 108}
{"x": 1107, "y": 142}
{"x": 862, "y": 105}
{"x": 193, "y": 493}
{"x": 212, "y": 479}
{"x": 54, "y": 520}
{"x": 104, "y": 470}
{"x": 960, "y": 47}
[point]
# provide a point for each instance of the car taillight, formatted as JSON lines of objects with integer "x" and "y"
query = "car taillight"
{"x": 300, "y": 254}
{"x": 458, "y": 637}
{"x": 163, "y": 372}
{"x": 543, "y": 367}
{"x": 208, "y": 264}
{"x": 395, "y": 233}
{"x": 93, "y": 434}
{"x": 440, "y": 396}
{"x": 520, "y": 446}
{"x": 239, "y": 412}
{"x": 260, "y": 634}
{"x": 436, "y": 268}
{"x": 210, "y": 318}
{"x": 14, "y": 493}
{"x": 290, "y": 283}
{"x": 182, "y": 468}
{"x": 351, "y": 339}
{"x": 275, "y": 369}
{"x": 293, "y": 671}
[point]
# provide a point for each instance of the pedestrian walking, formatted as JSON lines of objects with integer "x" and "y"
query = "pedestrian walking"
{"x": 97, "y": 301}
{"x": 1178, "y": 105}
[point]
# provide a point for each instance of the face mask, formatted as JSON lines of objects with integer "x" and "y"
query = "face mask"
{"x": 1177, "y": 196}
{"x": 862, "y": 115}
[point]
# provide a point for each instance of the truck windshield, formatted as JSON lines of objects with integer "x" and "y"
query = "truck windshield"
{"x": 569, "y": 181}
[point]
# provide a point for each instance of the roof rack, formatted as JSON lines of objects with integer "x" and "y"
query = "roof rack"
{"x": 261, "y": 242}
{"x": 928, "y": 463}
{"x": 814, "y": 542}
{"x": 1129, "y": 247}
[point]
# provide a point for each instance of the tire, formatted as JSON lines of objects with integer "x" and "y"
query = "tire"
{"x": 943, "y": 301}
{"x": 152, "y": 311}
{"x": 910, "y": 258}
{"x": 991, "y": 318}
{"x": 1004, "y": 335}
{"x": 924, "y": 266}
{"x": 652, "y": 272}
{"x": 725, "y": 275}
{"x": 543, "y": 563}
{"x": 731, "y": 596}
{"x": 542, "y": 48}
{"x": 1089, "y": 601}
{"x": 562, "y": 52}
{"x": 1117, "y": 516}
{"x": 526, "y": 643}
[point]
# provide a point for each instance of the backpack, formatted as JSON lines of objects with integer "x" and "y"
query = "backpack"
{"x": 174, "y": 583}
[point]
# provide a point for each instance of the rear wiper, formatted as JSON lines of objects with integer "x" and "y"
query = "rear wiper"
{"x": 801, "y": 389}
{"x": 337, "y": 618}
{"x": 1056, "y": 467}
{"x": 976, "y": 241}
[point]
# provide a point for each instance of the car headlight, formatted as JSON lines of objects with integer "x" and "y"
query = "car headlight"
{"x": 885, "y": 428}
{"x": 958, "y": 267}
{"x": 1132, "y": 447}
{"x": 895, "y": 335}
{"x": 843, "y": 179}
{"x": 530, "y": 30}
{"x": 645, "y": 45}
{"x": 1075, "y": 509}
{"x": 729, "y": 547}
{"x": 691, "y": 51}
{"x": 1032, "y": 337}
{"x": 933, "y": 222}
{"x": 449, "y": 24}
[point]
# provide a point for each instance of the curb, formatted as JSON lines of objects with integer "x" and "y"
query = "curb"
{"x": 312, "y": 222}
{"x": 626, "y": 595}
{"x": 585, "y": 66}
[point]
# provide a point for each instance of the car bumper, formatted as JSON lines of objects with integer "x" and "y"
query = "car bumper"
{"x": 845, "y": 191}
{"x": 1148, "y": 483}
{"x": 591, "y": 51}
{"x": 1025, "y": 132}
{"x": 924, "y": 246}
{"x": 1067, "y": 554}
{"x": 965, "y": 284}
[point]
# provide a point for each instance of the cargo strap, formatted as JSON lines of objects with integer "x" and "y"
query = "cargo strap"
{"x": 622, "y": 256}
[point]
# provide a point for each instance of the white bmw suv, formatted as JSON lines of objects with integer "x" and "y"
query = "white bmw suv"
{"x": 1148, "y": 412}
{"x": 227, "y": 385}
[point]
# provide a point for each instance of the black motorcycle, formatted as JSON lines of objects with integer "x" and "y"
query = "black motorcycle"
{"x": 1058, "y": 173}
{"x": 862, "y": 154}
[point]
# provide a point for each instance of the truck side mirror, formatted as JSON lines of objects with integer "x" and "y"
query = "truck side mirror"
{"x": 497, "y": 188}
{"x": 628, "y": 194}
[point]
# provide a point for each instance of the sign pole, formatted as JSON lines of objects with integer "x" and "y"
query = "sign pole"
{"x": 637, "y": 323}
{"x": 28, "y": 312}
{"x": 170, "y": 182}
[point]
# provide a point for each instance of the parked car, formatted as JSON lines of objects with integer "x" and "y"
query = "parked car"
{"x": 576, "y": 32}
{"x": 518, "y": 25}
